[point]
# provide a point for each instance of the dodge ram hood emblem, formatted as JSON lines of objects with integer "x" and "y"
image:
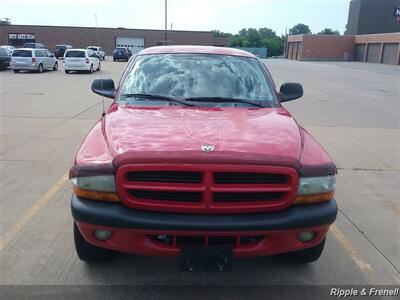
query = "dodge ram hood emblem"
{"x": 207, "y": 147}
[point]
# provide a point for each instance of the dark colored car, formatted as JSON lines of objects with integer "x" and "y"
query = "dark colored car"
{"x": 122, "y": 53}
{"x": 34, "y": 45}
{"x": 59, "y": 50}
{"x": 5, "y": 58}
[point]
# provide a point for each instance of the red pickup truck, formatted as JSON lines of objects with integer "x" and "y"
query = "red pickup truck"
{"x": 195, "y": 156}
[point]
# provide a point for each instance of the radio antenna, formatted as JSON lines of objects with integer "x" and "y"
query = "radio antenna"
{"x": 101, "y": 72}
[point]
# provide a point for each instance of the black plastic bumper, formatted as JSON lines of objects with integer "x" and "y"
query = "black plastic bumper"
{"x": 118, "y": 215}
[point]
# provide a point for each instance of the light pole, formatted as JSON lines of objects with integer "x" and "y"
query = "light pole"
{"x": 165, "y": 37}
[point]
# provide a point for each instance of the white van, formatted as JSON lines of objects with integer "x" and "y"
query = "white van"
{"x": 81, "y": 60}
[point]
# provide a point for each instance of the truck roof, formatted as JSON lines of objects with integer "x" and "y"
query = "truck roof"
{"x": 195, "y": 49}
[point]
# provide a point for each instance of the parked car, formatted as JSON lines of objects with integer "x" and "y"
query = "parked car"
{"x": 81, "y": 60}
{"x": 59, "y": 50}
{"x": 5, "y": 58}
{"x": 197, "y": 157}
{"x": 34, "y": 45}
{"x": 99, "y": 51}
{"x": 8, "y": 48}
{"x": 121, "y": 53}
{"x": 33, "y": 60}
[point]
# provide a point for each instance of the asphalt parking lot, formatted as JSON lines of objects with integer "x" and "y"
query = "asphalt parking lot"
{"x": 351, "y": 108}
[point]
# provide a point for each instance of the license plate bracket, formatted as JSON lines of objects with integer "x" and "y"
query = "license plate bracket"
{"x": 207, "y": 259}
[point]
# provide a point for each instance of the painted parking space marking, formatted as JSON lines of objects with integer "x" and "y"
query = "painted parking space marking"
{"x": 32, "y": 211}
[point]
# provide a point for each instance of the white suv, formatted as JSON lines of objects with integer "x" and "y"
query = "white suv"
{"x": 98, "y": 50}
{"x": 81, "y": 60}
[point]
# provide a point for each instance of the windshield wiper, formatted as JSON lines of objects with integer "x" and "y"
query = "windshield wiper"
{"x": 153, "y": 97}
{"x": 223, "y": 99}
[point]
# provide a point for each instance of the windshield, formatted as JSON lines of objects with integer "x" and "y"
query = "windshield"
{"x": 199, "y": 76}
{"x": 75, "y": 54}
{"x": 3, "y": 52}
{"x": 22, "y": 53}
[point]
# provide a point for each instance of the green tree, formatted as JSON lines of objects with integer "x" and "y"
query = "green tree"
{"x": 267, "y": 32}
{"x": 300, "y": 29}
{"x": 262, "y": 37}
{"x": 218, "y": 33}
{"x": 236, "y": 41}
{"x": 329, "y": 31}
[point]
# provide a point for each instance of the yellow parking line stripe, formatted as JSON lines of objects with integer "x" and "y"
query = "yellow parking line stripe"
{"x": 365, "y": 268}
{"x": 31, "y": 212}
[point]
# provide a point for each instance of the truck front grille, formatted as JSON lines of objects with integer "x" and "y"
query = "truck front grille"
{"x": 249, "y": 178}
{"x": 167, "y": 196}
{"x": 164, "y": 176}
{"x": 206, "y": 188}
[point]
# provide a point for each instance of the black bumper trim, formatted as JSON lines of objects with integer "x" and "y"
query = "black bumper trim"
{"x": 118, "y": 215}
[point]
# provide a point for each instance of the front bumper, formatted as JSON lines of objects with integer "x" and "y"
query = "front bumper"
{"x": 133, "y": 230}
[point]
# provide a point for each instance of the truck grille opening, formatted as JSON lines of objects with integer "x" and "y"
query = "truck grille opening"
{"x": 164, "y": 176}
{"x": 245, "y": 197}
{"x": 167, "y": 196}
{"x": 249, "y": 178}
{"x": 206, "y": 188}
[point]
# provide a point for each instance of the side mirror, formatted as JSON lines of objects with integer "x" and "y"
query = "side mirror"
{"x": 104, "y": 87}
{"x": 290, "y": 91}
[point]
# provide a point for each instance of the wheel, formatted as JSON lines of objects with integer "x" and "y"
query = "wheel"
{"x": 98, "y": 68}
{"x": 66, "y": 71}
{"x": 305, "y": 256}
{"x": 40, "y": 68}
{"x": 114, "y": 59}
{"x": 88, "y": 252}
{"x": 55, "y": 68}
{"x": 91, "y": 69}
{"x": 16, "y": 71}
{"x": 104, "y": 57}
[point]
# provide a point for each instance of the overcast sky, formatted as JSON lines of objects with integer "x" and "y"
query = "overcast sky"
{"x": 225, "y": 15}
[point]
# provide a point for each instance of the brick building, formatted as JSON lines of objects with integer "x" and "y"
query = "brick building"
{"x": 108, "y": 38}
{"x": 377, "y": 48}
{"x": 372, "y": 35}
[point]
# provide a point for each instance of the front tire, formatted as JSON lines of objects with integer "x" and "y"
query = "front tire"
{"x": 305, "y": 256}
{"x": 88, "y": 252}
{"x": 99, "y": 67}
{"x": 67, "y": 71}
{"x": 55, "y": 68}
{"x": 16, "y": 71}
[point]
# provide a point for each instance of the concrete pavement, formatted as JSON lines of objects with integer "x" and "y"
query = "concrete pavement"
{"x": 352, "y": 109}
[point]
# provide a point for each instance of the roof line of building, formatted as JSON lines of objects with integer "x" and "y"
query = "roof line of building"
{"x": 90, "y": 27}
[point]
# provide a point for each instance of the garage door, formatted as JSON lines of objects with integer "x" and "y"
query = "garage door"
{"x": 390, "y": 53}
{"x": 134, "y": 44}
{"x": 359, "y": 52}
{"x": 373, "y": 53}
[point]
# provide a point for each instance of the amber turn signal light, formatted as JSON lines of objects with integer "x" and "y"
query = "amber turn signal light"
{"x": 94, "y": 195}
{"x": 310, "y": 199}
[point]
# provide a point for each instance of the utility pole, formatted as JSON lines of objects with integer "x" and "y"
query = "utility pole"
{"x": 285, "y": 44}
{"x": 166, "y": 26}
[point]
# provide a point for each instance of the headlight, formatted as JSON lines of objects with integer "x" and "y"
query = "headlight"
{"x": 100, "y": 187}
{"x": 315, "y": 189}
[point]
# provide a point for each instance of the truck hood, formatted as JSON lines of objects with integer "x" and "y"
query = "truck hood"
{"x": 176, "y": 134}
